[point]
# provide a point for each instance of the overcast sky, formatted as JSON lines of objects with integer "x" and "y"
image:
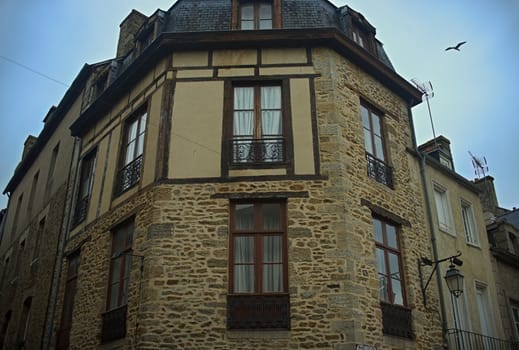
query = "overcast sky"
{"x": 475, "y": 103}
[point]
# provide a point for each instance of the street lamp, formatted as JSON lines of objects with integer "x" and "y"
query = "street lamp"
{"x": 453, "y": 277}
{"x": 454, "y": 280}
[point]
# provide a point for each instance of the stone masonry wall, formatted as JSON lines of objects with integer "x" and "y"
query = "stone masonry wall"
{"x": 33, "y": 277}
{"x": 182, "y": 231}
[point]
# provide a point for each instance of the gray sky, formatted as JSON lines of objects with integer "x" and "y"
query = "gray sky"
{"x": 475, "y": 103}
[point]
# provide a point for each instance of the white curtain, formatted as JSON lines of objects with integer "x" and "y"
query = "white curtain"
{"x": 271, "y": 126}
{"x": 272, "y": 264}
{"x": 243, "y": 123}
{"x": 244, "y": 264}
{"x": 271, "y": 111}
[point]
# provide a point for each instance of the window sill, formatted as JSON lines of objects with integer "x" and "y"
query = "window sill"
{"x": 258, "y": 334}
{"x": 474, "y": 245}
{"x": 447, "y": 231}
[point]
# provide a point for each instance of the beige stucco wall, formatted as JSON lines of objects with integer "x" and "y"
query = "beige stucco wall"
{"x": 302, "y": 126}
{"x": 476, "y": 257}
{"x": 196, "y": 130}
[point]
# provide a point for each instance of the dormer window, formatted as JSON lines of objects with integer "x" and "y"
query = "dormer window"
{"x": 256, "y": 15}
{"x": 359, "y": 37}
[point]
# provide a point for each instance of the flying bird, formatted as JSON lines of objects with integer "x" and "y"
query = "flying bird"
{"x": 457, "y": 47}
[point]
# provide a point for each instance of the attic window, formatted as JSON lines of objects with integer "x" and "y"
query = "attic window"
{"x": 256, "y": 15}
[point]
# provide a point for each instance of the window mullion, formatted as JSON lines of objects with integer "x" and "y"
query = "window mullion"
{"x": 257, "y": 112}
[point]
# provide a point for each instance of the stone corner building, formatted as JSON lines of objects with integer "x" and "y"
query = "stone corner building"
{"x": 243, "y": 178}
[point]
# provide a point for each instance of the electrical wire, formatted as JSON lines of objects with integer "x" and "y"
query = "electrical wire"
{"x": 33, "y": 70}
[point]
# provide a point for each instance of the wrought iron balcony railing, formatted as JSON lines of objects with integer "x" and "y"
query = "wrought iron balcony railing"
{"x": 397, "y": 320}
{"x": 114, "y": 324}
{"x": 379, "y": 171}
{"x": 248, "y": 150}
{"x": 258, "y": 311}
{"x": 464, "y": 340}
{"x": 128, "y": 176}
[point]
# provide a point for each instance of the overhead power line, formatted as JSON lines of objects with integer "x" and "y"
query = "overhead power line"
{"x": 34, "y": 71}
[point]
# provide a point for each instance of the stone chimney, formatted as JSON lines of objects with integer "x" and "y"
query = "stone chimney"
{"x": 488, "y": 198}
{"x": 127, "y": 31}
{"x": 439, "y": 149}
{"x": 28, "y": 144}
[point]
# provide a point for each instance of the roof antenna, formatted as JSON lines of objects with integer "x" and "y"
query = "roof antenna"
{"x": 480, "y": 166}
{"x": 427, "y": 92}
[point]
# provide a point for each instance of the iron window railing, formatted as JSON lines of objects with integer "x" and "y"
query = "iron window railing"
{"x": 114, "y": 324}
{"x": 257, "y": 151}
{"x": 397, "y": 320}
{"x": 464, "y": 340}
{"x": 379, "y": 171}
{"x": 128, "y": 176}
{"x": 258, "y": 311}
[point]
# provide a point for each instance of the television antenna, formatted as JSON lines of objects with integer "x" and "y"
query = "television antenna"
{"x": 480, "y": 165}
{"x": 427, "y": 92}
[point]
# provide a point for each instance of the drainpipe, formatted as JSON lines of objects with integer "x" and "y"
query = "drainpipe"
{"x": 443, "y": 313}
{"x": 58, "y": 265}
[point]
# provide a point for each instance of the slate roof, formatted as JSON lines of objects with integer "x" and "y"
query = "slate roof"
{"x": 215, "y": 15}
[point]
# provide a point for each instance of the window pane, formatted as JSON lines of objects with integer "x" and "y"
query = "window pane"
{"x": 271, "y": 216}
{"x": 140, "y": 145}
{"x": 114, "y": 296}
{"x": 244, "y": 278}
{"x": 379, "y": 148}
{"x": 244, "y": 217}
{"x": 391, "y": 236}
{"x": 272, "y": 249}
{"x": 270, "y": 97}
{"x": 247, "y": 25}
{"x": 384, "y": 292}
{"x": 381, "y": 263}
{"x": 376, "y": 124}
{"x": 271, "y": 123}
{"x": 243, "y": 98}
{"x": 130, "y": 151}
{"x": 243, "y": 250}
{"x": 247, "y": 12}
{"x": 377, "y": 230}
{"x": 265, "y": 11}
{"x": 398, "y": 297}
{"x": 143, "y": 118}
{"x": 132, "y": 131}
{"x": 365, "y": 117}
{"x": 273, "y": 278}
{"x": 116, "y": 269}
{"x": 394, "y": 269}
{"x": 243, "y": 123}
{"x": 368, "y": 143}
{"x": 265, "y": 24}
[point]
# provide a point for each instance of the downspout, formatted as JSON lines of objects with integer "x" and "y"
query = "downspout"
{"x": 67, "y": 215}
{"x": 443, "y": 312}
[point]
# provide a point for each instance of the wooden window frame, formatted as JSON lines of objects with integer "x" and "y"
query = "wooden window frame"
{"x": 236, "y": 13}
{"x": 375, "y": 112}
{"x": 468, "y": 218}
{"x": 386, "y": 248}
{"x": 63, "y": 334}
{"x": 124, "y": 253}
{"x": 129, "y": 174}
{"x": 258, "y": 233}
{"x": 228, "y": 161}
{"x": 257, "y": 309}
{"x": 88, "y": 164}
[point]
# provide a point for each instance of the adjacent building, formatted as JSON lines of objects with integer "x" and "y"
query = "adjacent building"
{"x": 459, "y": 230}
{"x": 503, "y": 234}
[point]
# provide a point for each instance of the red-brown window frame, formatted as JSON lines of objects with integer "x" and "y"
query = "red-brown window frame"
{"x": 258, "y": 233}
{"x": 63, "y": 335}
{"x": 397, "y": 251}
{"x": 124, "y": 253}
{"x": 236, "y": 16}
{"x": 373, "y": 111}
